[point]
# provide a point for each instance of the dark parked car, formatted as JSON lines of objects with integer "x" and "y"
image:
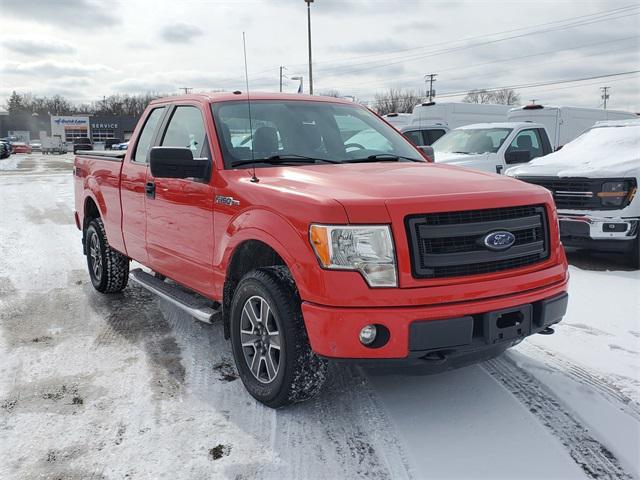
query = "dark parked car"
{"x": 83, "y": 143}
{"x": 110, "y": 143}
{"x": 5, "y": 150}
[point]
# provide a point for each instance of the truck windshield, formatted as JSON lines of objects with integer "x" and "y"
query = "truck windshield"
{"x": 472, "y": 141}
{"x": 305, "y": 132}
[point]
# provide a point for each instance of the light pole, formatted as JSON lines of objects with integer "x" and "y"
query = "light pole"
{"x": 309, "y": 2}
{"x": 299, "y": 77}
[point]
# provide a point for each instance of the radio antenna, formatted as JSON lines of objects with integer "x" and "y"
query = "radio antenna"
{"x": 246, "y": 77}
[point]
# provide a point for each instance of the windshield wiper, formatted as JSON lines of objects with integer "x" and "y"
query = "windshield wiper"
{"x": 464, "y": 153}
{"x": 285, "y": 158}
{"x": 381, "y": 157}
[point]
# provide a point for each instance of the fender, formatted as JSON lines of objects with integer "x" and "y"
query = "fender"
{"x": 112, "y": 226}
{"x": 259, "y": 224}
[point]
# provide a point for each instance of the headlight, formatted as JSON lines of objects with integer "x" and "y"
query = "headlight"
{"x": 366, "y": 249}
{"x": 614, "y": 194}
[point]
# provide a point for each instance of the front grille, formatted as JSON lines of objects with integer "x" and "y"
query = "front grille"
{"x": 451, "y": 244}
{"x": 574, "y": 193}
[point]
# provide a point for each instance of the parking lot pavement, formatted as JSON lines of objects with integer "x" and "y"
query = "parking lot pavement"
{"x": 127, "y": 386}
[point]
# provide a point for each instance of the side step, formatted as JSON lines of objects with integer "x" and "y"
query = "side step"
{"x": 195, "y": 306}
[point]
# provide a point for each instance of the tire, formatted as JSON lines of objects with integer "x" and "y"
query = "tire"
{"x": 296, "y": 374}
{"x": 108, "y": 269}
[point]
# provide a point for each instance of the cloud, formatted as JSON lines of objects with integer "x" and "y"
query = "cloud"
{"x": 180, "y": 32}
{"x": 50, "y": 68}
{"x": 383, "y": 45}
{"x": 37, "y": 46}
{"x": 83, "y": 14}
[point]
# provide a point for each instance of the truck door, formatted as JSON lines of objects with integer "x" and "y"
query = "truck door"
{"x": 526, "y": 146}
{"x": 180, "y": 211}
{"x": 132, "y": 187}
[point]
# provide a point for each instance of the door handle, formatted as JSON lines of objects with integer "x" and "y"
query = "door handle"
{"x": 150, "y": 189}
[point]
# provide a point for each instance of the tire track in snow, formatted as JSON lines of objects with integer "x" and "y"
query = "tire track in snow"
{"x": 585, "y": 377}
{"x": 593, "y": 457}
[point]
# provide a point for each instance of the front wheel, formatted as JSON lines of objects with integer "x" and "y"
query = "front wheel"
{"x": 108, "y": 268}
{"x": 269, "y": 340}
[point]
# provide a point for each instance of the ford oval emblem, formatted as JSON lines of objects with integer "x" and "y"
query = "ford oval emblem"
{"x": 500, "y": 240}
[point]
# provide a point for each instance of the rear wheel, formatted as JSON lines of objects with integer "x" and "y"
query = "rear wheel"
{"x": 108, "y": 268}
{"x": 269, "y": 340}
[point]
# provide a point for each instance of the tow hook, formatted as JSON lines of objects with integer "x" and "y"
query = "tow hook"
{"x": 436, "y": 358}
{"x": 547, "y": 331}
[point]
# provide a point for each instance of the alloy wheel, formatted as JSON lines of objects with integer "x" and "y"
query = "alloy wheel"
{"x": 261, "y": 340}
{"x": 96, "y": 256}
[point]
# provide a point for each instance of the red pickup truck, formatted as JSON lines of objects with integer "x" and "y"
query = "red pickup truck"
{"x": 315, "y": 231}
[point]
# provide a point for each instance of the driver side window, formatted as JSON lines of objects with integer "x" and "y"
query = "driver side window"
{"x": 186, "y": 130}
{"x": 527, "y": 141}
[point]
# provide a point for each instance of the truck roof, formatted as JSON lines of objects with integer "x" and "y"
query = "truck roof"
{"x": 618, "y": 123}
{"x": 477, "y": 126}
{"x": 538, "y": 107}
{"x": 238, "y": 95}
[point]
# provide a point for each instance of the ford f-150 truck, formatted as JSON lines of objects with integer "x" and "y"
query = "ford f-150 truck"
{"x": 262, "y": 213}
{"x": 594, "y": 181}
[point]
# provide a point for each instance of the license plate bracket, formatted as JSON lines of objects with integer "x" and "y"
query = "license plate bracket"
{"x": 509, "y": 324}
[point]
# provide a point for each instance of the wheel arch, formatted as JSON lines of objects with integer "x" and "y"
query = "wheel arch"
{"x": 248, "y": 255}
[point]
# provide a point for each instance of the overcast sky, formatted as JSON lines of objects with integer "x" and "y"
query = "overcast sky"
{"x": 84, "y": 49}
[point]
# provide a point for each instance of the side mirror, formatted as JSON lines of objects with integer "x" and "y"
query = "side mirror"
{"x": 428, "y": 151}
{"x": 175, "y": 162}
{"x": 517, "y": 156}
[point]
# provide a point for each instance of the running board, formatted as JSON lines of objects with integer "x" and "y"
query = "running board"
{"x": 197, "y": 307}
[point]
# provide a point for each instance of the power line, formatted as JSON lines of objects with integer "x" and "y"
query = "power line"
{"x": 541, "y": 84}
{"x": 359, "y": 67}
{"x": 603, "y": 13}
{"x": 505, "y": 60}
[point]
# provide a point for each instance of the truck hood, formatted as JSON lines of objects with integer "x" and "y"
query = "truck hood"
{"x": 461, "y": 159}
{"x": 598, "y": 153}
{"x": 561, "y": 166}
{"x": 365, "y": 189}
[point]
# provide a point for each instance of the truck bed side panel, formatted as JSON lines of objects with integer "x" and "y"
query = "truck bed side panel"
{"x": 99, "y": 179}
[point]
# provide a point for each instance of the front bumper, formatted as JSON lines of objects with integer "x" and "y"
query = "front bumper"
{"x": 334, "y": 331}
{"x": 600, "y": 233}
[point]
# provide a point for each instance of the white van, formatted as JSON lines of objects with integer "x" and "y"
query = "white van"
{"x": 398, "y": 119}
{"x": 565, "y": 123}
{"x": 458, "y": 114}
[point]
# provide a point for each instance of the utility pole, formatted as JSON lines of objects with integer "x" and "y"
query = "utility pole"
{"x": 187, "y": 90}
{"x": 605, "y": 95}
{"x": 431, "y": 78}
{"x": 309, "y": 2}
{"x": 282, "y": 68}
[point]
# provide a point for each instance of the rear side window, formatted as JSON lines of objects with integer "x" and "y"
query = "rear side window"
{"x": 433, "y": 135}
{"x": 146, "y": 136}
{"x": 415, "y": 137}
{"x": 186, "y": 130}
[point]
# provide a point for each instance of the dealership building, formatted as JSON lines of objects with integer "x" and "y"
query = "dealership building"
{"x": 98, "y": 128}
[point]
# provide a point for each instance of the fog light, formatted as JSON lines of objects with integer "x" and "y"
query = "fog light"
{"x": 368, "y": 334}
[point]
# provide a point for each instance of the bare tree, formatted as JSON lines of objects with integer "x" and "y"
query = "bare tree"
{"x": 504, "y": 96}
{"x": 332, "y": 92}
{"x": 396, "y": 101}
{"x": 478, "y": 96}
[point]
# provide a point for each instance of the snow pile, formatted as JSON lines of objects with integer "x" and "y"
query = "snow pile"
{"x": 604, "y": 150}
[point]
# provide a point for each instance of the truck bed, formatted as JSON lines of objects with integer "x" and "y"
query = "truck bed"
{"x": 97, "y": 176}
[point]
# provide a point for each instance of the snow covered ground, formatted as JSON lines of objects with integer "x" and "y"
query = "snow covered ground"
{"x": 126, "y": 386}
